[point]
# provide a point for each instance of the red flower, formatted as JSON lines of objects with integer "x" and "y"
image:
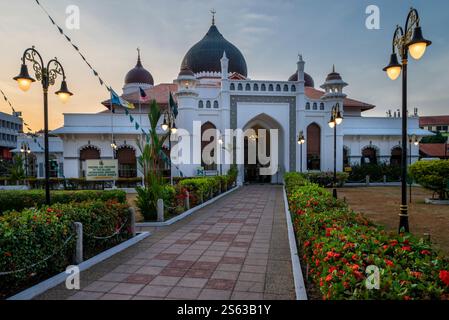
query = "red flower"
{"x": 355, "y": 267}
{"x": 407, "y": 298}
{"x": 300, "y": 212}
{"x": 385, "y": 247}
{"x": 355, "y": 257}
{"x": 358, "y": 275}
{"x": 389, "y": 263}
{"x": 416, "y": 274}
{"x": 425, "y": 252}
{"x": 444, "y": 276}
{"x": 394, "y": 243}
{"x": 49, "y": 210}
{"x": 307, "y": 244}
{"x": 332, "y": 269}
{"x": 406, "y": 248}
{"x": 329, "y": 278}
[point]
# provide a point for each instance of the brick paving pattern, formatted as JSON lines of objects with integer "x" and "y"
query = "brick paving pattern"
{"x": 234, "y": 249}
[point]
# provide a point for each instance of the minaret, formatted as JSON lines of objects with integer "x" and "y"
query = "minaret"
{"x": 333, "y": 86}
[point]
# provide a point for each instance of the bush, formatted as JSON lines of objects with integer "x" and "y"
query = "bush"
{"x": 19, "y": 200}
{"x": 41, "y": 241}
{"x": 338, "y": 245}
{"x": 432, "y": 175}
{"x": 376, "y": 172}
{"x": 326, "y": 179}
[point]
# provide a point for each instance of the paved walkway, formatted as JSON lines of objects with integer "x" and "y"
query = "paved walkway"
{"x": 236, "y": 248}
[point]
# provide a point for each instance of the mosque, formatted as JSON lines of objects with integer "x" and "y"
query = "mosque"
{"x": 215, "y": 88}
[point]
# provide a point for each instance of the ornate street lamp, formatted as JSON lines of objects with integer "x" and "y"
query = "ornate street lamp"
{"x": 301, "y": 142}
{"x": 47, "y": 75}
{"x": 335, "y": 121}
{"x": 25, "y": 150}
{"x": 413, "y": 140}
{"x": 169, "y": 125}
{"x": 408, "y": 40}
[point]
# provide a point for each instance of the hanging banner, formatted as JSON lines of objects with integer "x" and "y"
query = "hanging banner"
{"x": 101, "y": 170}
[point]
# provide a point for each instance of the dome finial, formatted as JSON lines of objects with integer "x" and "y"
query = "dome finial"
{"x": 333, "y": 68}
{"x": 213, "y": 16}
{"x": 139, "y": 61}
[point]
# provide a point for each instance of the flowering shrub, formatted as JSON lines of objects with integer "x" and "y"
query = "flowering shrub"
{"x": 40, "y": 243}
{"x": 19, "y": 200}
{"x": 338, "y": 245}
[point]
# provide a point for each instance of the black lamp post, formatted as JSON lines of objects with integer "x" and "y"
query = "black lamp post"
{"x": 408, "y": 40}
{"x": 336, "y": 120}
{"x": 47, "y": 75}
{"x": 169, "y": 125}
{"x": 25, "y": 150}
{"x": 301, "y": 142}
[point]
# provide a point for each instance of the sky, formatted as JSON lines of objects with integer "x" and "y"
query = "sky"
{"x": 270, "y": 34}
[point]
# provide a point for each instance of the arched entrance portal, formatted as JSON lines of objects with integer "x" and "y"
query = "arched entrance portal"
{"x": 253, "y": 141}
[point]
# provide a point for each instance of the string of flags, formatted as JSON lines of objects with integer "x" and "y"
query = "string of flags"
{"x": 116, "y": 100}
{"x": 25, "y": 125}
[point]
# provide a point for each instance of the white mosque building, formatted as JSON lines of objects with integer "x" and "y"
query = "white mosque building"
{"x": 214, "y": 87}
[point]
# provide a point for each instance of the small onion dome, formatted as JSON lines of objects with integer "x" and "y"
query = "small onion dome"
{"x": 307, "y": 78}
{"x": 139, "y": 74}
{"x": 185, "y": 71}
{"x": 333, "y": 76}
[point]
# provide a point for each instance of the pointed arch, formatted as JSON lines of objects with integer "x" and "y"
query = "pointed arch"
{"x": 205, "y": 127}
{"x": 313, "y": 147}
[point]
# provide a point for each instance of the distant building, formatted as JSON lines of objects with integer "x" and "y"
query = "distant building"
{"x": 10, "y": 127}
{"x": 434, "y": 150}
{"x": 435, "y": 123}
{"x": 34, "y": 161}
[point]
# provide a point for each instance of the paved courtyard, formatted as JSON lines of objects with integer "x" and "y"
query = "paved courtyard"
{"x": 236, "y": 248}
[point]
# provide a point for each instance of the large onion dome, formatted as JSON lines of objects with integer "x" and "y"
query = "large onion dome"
{"x": 205, "y": 56}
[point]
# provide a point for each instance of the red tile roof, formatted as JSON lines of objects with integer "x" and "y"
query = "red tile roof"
{"x": 160, "y": 93}
{"x": 434, "y": 150}
{"x": 313, "y": 93}
{"x": 433, "y": 121}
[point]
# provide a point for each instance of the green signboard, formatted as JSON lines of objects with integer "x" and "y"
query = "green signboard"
{"x": 101, "y": 170}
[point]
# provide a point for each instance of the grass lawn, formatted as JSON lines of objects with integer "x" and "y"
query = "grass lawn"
{"x": 381, "y": 205}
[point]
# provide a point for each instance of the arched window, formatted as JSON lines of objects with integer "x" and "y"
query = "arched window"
{"x": 127, "y": 162}
{"x": 209, "y": 162}
{"x": 232, "y": 86}
{"x": 346, "y": 162}
{"x": 313, "y": 147}
{"x": 285, "y": 88}
{"x": 308, "y": 106}
{"x": 369, "y": 155}
{"x": 240, "y": 87}
{"x": 315, "y": 106}
{"x": 396, "y": 156}
{"x": 87, "y": 153}
{"x": 321, "y": 106}
{"x": 54, "y": 166}
{"x": 201, "y": 104}
{"x": 256, "y": 87}
{"x": 278, "y": 87}
{"x": 208, "y": 104}
{"x": 263, "y": 87}
{"x": 270, "y": 87}
{"x": 215, "y": 104}
{"x": 248, "y": 87}
{"x": 293, "y": 88}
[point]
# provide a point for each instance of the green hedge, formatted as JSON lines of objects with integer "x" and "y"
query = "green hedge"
{"x": 19, "y": 200}
{"x": 432, "y": 175}
{"x": 40, "y": 236}
{"x": 326, "y": 179}
{"x": 377, "y": 172}
{"x": 205, "y": 188}
{"x": 338, "y": 245}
